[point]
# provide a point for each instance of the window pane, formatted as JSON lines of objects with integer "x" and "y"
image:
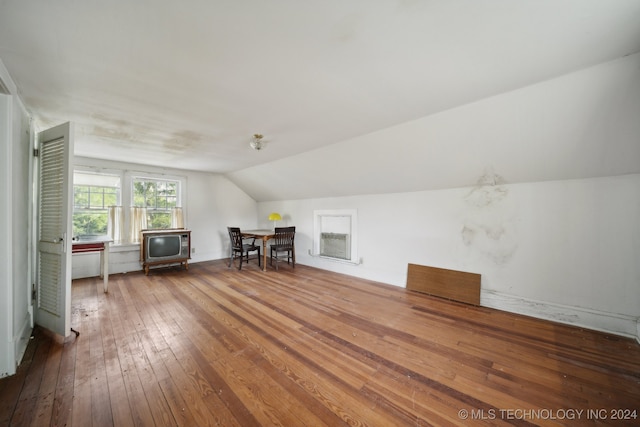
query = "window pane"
{"x": 81, "y": 200}
{"x": 95, "y": 199}
{"x": 85, "y": 223}
{"x": 80, "y": 188}
{"x": 138, "y": 200}
{"x": 110, "y": 200}
{"x": 159, "y": 220}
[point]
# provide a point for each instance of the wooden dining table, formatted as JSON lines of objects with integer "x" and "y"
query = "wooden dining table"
{"x": 265, "y": 235}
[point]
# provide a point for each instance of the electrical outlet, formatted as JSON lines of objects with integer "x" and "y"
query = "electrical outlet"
{"x": 193, "y": 250}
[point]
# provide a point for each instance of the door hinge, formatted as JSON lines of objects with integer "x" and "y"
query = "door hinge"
{"x": 33, "y": 294}
{"x": 36, "y": 152}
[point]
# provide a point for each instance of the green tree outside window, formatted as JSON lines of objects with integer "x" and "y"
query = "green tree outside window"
{"x": 159, "y": 197}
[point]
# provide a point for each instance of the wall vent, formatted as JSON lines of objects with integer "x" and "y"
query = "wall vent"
{"x": 335, "y": 245}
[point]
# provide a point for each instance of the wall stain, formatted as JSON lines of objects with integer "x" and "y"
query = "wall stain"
{"x": 489, "y": 229}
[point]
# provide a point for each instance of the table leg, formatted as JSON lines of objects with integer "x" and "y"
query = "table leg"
{"x": 102, "y": 263}
{"x": 105, "y": 267}
{"x": 264, "y": 254}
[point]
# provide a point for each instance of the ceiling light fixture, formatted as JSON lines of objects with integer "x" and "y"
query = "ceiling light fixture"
{"x": 256, "y": 142}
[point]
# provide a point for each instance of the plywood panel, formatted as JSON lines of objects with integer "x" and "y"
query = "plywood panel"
{"x": 451, "y": 284}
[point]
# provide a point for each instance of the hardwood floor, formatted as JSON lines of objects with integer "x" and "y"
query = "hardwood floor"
{"x": 306, "y": 347}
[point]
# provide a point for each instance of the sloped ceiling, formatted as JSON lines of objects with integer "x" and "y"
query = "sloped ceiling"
{"x": 185, "y": 84}
{"x": 580, "y": 125}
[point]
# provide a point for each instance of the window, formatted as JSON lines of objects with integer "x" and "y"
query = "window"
{"x": 93, "y": 194}
{"x": 335, "y": 235}
{"x": 160, "y": 198}
{"x": 119, "y": 203}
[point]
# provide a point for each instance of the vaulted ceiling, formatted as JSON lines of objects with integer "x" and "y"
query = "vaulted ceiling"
{"x": 185, "y": 84}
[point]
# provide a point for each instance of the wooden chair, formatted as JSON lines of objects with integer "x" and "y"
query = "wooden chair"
{"x": 239, "y": 247}
{"x": 283, "y": 244}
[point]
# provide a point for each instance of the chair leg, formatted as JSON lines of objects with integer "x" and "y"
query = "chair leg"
{"x": 274, "y": 256}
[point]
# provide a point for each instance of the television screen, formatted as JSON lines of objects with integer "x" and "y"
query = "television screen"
{"x": 164, "y": 246}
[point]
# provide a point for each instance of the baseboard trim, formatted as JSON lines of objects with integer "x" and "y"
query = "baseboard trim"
{"x": 22, "y": 339}
{"x": 618, "y": 324}
{"x": 15, "y": 349}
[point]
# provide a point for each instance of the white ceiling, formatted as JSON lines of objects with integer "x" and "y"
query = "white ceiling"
{"x": 185, "y": 84}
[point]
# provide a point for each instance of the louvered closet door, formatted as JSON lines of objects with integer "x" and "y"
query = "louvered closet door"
{"x": 53, "y": 306}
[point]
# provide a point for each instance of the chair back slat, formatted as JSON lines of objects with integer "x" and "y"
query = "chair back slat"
{"x": 239, "y": 247}
{"x": 284, "y": 236}
{"x": 236, "y": 236}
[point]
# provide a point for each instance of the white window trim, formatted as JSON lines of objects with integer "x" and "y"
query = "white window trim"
{"x": 101, "y": 171}
{"x": 317, "y": 229}
{"x": 131, "y": 176}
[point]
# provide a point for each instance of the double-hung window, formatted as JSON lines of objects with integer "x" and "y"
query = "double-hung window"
{"x": 160, "y": 198}
{"x": 119, "y": 204}
{"x": 93, "y": 195}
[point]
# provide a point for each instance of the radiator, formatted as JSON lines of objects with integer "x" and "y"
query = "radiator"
{"x": 335, "y": 245}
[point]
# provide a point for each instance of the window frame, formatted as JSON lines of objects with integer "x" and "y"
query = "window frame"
{"x": 126, "y": 177}
{"x": 352, "y": 214}
{"x": 105, "y": 209}
{"x": 132, "y": 176}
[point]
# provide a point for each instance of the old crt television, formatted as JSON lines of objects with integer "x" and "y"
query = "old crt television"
{"x": 165, "y": 247}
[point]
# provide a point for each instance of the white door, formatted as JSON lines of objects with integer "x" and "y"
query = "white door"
{"x": 55, "y": 197}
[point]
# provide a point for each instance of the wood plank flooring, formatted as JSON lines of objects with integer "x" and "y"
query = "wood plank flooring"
{"x": 304, "y": 347}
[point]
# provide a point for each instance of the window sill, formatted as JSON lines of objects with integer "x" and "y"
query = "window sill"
{"x": 339, "y": 260}
{"x": 124, "y": 247}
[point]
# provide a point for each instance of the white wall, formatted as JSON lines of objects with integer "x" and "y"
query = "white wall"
{"x": 563, "y": 250}
{"x": 15, "y": 213}
{"x": 6, "y": 259}
{"x": 212, "y": 203}
{"x": 558, "y": 236}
